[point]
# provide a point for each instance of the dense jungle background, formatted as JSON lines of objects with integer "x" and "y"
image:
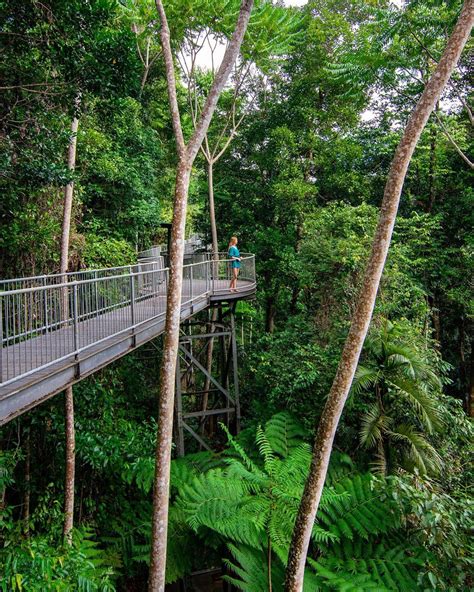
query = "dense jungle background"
{"x": 313, "y": 114}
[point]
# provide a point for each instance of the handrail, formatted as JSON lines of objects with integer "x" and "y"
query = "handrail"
{"x": 69, "y": 273}
{"x": 70, "y": 317}
{"x": 91, "y": 280}
{"x": 244, "y": 256}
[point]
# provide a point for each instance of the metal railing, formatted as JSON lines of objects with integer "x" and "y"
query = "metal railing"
{"x": 47, "y": 319}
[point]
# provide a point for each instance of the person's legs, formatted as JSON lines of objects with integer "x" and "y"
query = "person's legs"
{"x": 236, "y": 275}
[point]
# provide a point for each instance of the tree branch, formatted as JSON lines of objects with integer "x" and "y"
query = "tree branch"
{"x": 221, "y": 77}
{"x": 171, "y": 80}
{"x": 453, "y": 141}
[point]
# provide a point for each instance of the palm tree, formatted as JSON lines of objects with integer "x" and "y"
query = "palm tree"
{"x": 403, "y": 410}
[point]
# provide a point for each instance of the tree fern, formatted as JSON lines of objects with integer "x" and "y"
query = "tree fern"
{"x": 251, "y": 507}
{"x": 371, "y": 564}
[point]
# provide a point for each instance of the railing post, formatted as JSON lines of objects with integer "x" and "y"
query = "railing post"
{"x": 132, "y": 299}
{"x": 191, "y": 280}
{"x": 96, "y": 292}
{"x": 75, "y": 317}
{"x": 45, "y": 304}
{"x": 1, "y": 338}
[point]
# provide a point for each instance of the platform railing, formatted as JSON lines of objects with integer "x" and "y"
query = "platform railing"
{"x": 87, "y": 274}
{"x": 47, "y": 319}
{"x": 222, "y": 272}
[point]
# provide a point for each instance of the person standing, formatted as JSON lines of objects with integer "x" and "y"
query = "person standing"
{"x": 234, "y": 256}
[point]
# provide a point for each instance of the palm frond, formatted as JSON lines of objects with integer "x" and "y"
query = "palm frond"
{"x": 374, "y": 425}
{"x": 422, "y": 402}
{"x": 420, "y": 453}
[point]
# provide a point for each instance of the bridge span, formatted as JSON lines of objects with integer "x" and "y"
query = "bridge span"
{"x": 57, "y": 329}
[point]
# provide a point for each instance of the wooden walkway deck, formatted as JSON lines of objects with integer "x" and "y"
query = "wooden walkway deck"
{"x": 44, "y": 365}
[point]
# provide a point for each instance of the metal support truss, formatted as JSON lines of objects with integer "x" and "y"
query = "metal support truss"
{"x": 197, "y": 408}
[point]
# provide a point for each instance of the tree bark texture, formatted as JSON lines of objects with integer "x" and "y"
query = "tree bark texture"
{"x": 68, "y": 196}
{"x": 470, "y": 397}
{"x": 366, "y": 299}
{"x": 69, "y": 478}
{"x": 27, "y": 484}
{"x": 215, "y": 256}
{"x": 209, "y": 356}
{"x": 186, "y": 156}
{"x": 270, "y": 313}
{"x": 70, "y": 443}
{"x": 167, "y": 385}
{"x": 212, "y": 210}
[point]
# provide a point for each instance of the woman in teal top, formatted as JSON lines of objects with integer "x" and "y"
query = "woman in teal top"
{"x": 234, "y": 256}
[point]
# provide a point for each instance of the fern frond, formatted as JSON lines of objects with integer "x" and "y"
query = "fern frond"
{"x": 250, "y": 567}
{"x": 251, "y": 466}
{"x": 284, "y": 433}
{"x": 266, "y": 452}
{"x": 389, "y": 568}
{"x": 359, "y": 512}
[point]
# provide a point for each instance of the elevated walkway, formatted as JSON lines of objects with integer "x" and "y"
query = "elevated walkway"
{"x": 55, "y": 332}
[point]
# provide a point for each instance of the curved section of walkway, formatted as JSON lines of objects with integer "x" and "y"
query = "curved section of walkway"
{"x": 56, "y": 332}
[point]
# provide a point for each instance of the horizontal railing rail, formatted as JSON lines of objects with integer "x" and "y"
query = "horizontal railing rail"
{"x": 47, "y": 320}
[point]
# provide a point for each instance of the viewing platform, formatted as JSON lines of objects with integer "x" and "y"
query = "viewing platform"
{"x": 55, "y": 332}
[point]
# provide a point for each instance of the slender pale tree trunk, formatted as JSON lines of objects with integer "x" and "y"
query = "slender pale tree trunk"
{"x": 27, "y": 479}
{"x": 186, "y": 157}
{"x": 366, "y": 300}
{"x": 470, "y": 397}
{"x": 215, "y": 257}
{"x": 212, "y": 210}
{"x": 68, "y": 196}
{"x": 70, "y": 444}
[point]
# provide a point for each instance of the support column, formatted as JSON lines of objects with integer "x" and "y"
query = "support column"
{"x": 235, "y": 369}
{"x": 179, "y": 411}
{"x": 222, "y": 393}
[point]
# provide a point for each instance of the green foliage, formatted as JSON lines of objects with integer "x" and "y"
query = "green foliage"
{"x": 403, "y": 409}
{"x": 38, "y": 564}
{"x": 251, "y": 506}
{"x": 103, "y": 251}
{"x": 290, "y": 370}
{"x": 329, "y": 87}
{"x": 335, "y": 248}
{"x": 442, "y": 523}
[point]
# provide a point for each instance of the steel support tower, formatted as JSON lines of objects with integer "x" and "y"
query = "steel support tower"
{"x": 207, "y": 385}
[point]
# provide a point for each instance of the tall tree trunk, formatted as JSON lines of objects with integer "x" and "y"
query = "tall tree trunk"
{"x": 209, "y": 356}
{"x": 27, "y": 483}
{"x": 432, "y": 168}
{"x": 186, "y": 157}
{"x": 69, "y": 477}
{"x": 215, "y": 256}
{"x": 470, "y": 396}
{"x": 69, "y": 398}
{"x": 270, "y": 313}
{"x": 366, "y": 300}
{"x": 167, "y": 383}
{"x": 212, "y": 211}
{"x": 68, "y": 196}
